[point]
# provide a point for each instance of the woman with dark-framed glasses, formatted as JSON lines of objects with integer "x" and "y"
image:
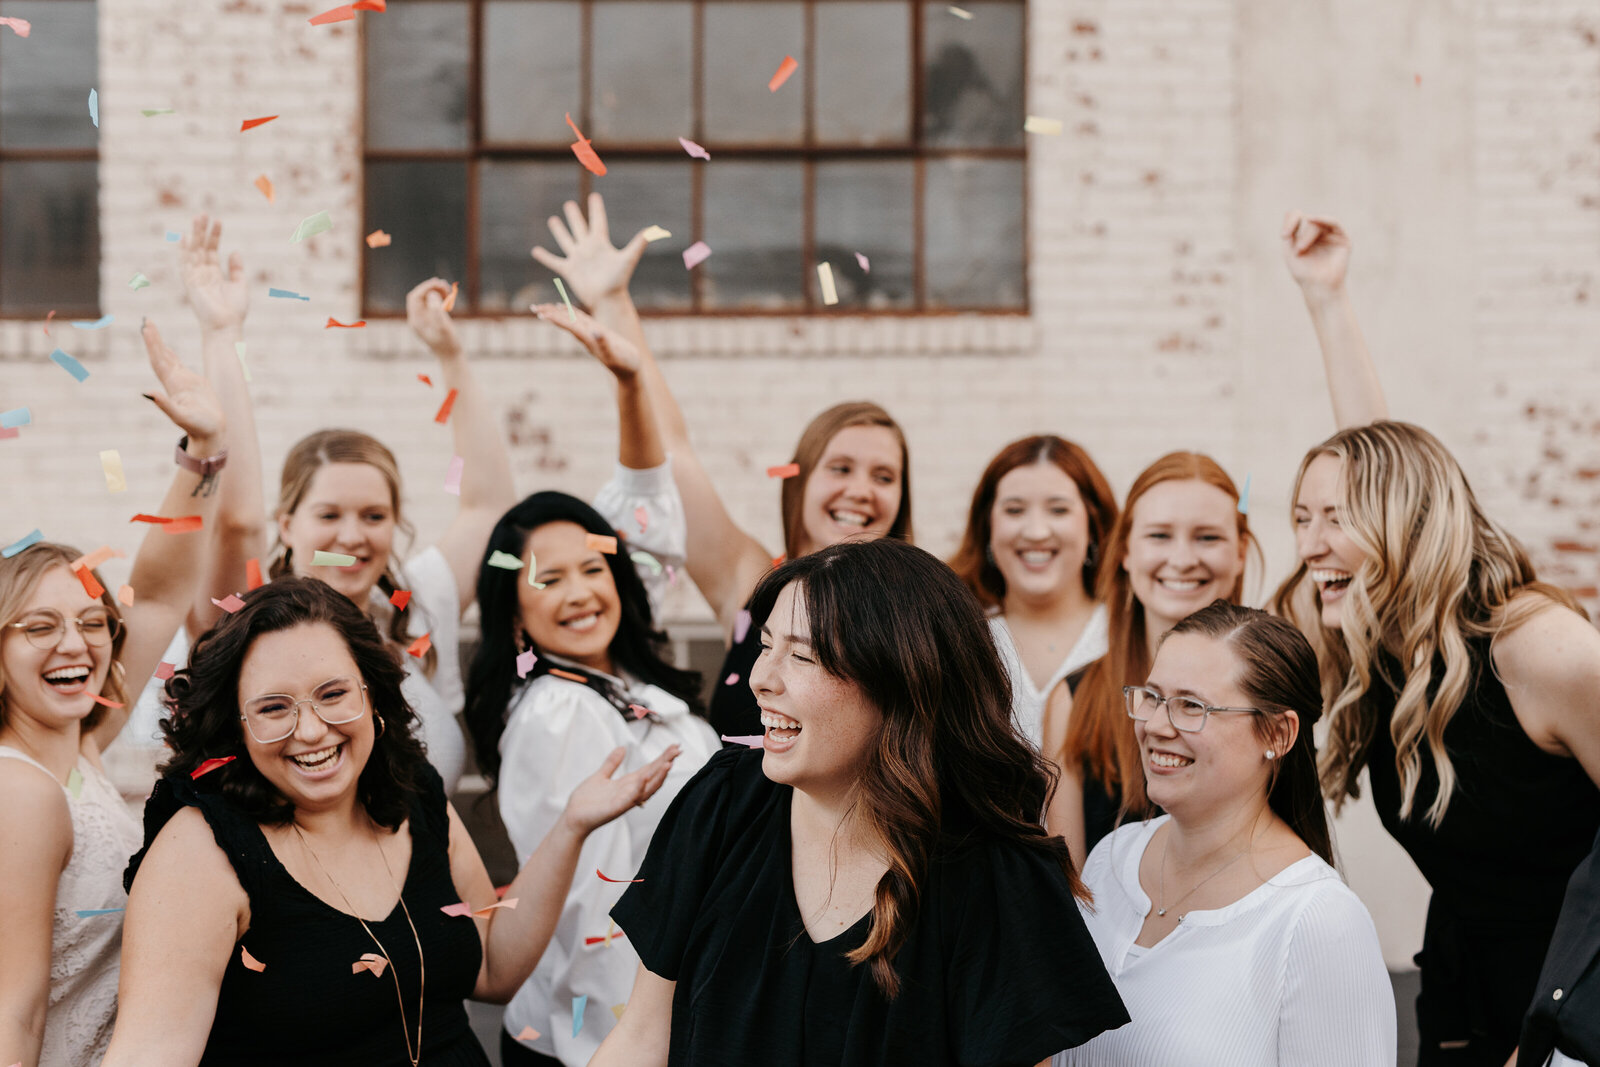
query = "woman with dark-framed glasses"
{"x": 1230, "y": 936}
{"x": 306, "y": 894}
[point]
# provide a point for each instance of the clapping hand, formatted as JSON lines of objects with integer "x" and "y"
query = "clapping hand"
{"x": 592, "y": 266}
{"x": 600, "y": 798}
{"x": 220, "y": 299}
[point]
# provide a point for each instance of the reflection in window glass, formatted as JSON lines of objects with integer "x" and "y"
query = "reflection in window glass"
{"x": 655, "y": 194}
{"x": 972, "y": 76}
{"x": 754, "y": 217}
{"x": 973, "y": 227}
{"x": 643, "y": 72}
{"x": 514, "y": 200}
{"x": 863, "y": 73}
{"x": 50, "y": 257}
{"x": 45, "y": 79}
{"x": 423, "y": 206}
{"x": 744, "y": 44}
{"x": 531, "y": 71}
{"x": 417, "y": 59}
{"x": 867, "y": 208}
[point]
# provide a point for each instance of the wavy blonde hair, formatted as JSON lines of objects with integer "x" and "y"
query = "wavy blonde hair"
{"x": 1436, "y": 572}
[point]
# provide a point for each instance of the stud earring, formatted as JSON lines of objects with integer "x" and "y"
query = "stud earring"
{"x": 1271, "y": 754}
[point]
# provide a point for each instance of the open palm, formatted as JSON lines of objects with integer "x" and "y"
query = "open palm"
{"x": 600, "y": 798}
{"x": 185, "y": 397}
{"x": 219, "y": 296}
{"x": 593, "y": 268}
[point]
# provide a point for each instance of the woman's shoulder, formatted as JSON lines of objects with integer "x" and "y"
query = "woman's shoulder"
{"x": 181, "y": 818}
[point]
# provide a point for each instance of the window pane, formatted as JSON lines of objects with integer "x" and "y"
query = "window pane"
{"x": 531, "y": 58}
{"x": 417, "y": 58}
{"x": 655, "y": 194}
{"x": 868, "y": 208}
{"x": 744, "y": 44}
{"x": 643, "y": 72}
{"x": 50, "y": 257}
{"x": 423, "y": 206}
{"x": 974, "y": 233}
{"x": 972, "y": 76}
{"x": 754, "y": 215}
{"x": 514, "y": 200}
{"x": 45, "y": 79}
{"x": 863, "y": 73}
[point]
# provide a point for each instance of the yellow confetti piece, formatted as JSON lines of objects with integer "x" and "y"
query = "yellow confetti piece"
{"x": 656, "y": 233}
{"x": 1038, "y": 124}
{"x": 960, "y": 13}
{"x": 571, "y": 317}
{"x": 617, "y": 1010}
{"x": 533, "y": 568}
{"x": 111, "y": 463}
{"x": 830, "y": 295}
{"x": 319, "y": 558}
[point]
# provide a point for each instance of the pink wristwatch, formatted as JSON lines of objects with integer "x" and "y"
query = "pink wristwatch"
{"x": 203, "y": 467}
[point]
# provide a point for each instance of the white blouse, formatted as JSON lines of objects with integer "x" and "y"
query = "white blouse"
{"x": 664, "y": 534}
{"x": 558, "y": 733}
{"x": 1027, "y": 701}
{"x": 1290, "y": 974}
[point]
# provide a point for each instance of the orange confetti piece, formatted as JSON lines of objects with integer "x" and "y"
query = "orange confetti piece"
{"x": 99, "y": 556}
{"x": 346, "y": 12}
{"x": 250, "y": 962}
{"x": 333, "y": 322}
{"x": 125, "y": 595}
{"x": 786, "y": 68}
{"x": 98, "y": 699}
{"x": 47, "y": 319}
{"x": 378, "y": 239}
{"x": 372, "y": 962}
{"x": 788, "y": 470}
{"x": 619, "y": 935}
{"x": 264, "y": 183}
{"x": 208, "y": 766}
{"x": 164, "y": 670}
{"x": 420, "y": 646}
{"x": 400, "y": 599}
{"x": 450, "y": 301}
{"x": 583, "y": 148}
{"x": 181, "y": 524}
{"x": 425, "y": 380}
{"x": 509, "y": 903}
{"x": 444, "y": 409}
{"x": 250, "y": 124}
{"x": 569, "y": 676}
{"x": 90, "y": 586}
{"x": 617, "y": 881}
{"x": 600, "y": 543}
{"x": 252, "y": 574}
{"x": 528, "y": 1034}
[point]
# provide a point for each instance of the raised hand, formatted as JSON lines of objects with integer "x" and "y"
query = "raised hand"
{"x": 219, "y": 297}
{"x": 619, "y": 355}
{"x": 600, "y": 798}
{"x": 1317, "y": 252}
{"x": 185, "y": 397}
{"x": 428, "y": 319}
{"x": 593, "y": 268}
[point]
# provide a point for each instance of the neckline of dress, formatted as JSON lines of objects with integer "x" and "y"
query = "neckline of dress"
{"x": 405, "y": 885}
{"x": 786, "y": 844}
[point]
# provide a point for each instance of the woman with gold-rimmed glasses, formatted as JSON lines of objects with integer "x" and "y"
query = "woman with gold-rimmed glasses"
{"x": 1230, "y": 936}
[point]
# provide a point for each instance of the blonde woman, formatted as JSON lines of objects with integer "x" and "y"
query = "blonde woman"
{"x": 1466, "y": 689}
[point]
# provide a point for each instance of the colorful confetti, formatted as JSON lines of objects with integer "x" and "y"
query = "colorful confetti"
{"x": 695, "y": 255}
{"x": 211, "y": 764}
{"x": 250, "y": 124}
{"x": 111, "y": 464}
{"x": 319, "y": 558}
{"x": 786, "y": 68}
{"x": 70, "y": 365}
{"x": 21, "y": 543}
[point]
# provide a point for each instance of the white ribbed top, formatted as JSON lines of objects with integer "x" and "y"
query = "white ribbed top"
{"x": 1290, "y": 974}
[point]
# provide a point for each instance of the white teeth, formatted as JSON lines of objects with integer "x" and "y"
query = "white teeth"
{"x": 317, "y": 760}
{"x": 1182, "y": 585}
{"x": 850, "y": 518}
{"x": 1036, "y": 557}
{"x": 583, "y": 622}
{"x": 67, "y": 674}
{"x": 1167, "y": 759}
{"x": 1323, "y": 577}
{"x": 778, "y": 722}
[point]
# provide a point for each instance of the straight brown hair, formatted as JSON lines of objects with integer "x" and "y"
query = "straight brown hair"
{"x": 808, "y": 453}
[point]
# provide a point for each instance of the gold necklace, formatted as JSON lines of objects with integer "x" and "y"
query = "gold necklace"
{"x": 422, "y": 981}
{"x": 1167, "y": 844}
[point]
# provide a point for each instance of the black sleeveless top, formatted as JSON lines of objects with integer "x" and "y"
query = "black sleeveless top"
{"x": 306, "y": 1007}
{"x": 733, "y": 711}
{"x": 1520, "y": 819}
{"x": 1102, "y": 804}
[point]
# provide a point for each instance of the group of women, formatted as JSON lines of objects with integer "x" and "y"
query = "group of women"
{"x": 1058, "y": 800}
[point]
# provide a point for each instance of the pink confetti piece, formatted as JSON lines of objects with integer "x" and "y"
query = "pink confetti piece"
{"x": 753, "y": 741}
{"x": 20, "y": 27}
{"x": 525, "y": 662}
{"x": 457, "y": 910}
{"x": 639, "y": 710}
{"x": 452, "y": 478}
{"x": 695, "y": 255}
{"x": 693, "y": 149}
{"x": 732, "y": 679}
{"x": 642, "y": 517}
{"x": 509, "y": 902}
{"x": 164, "y": 670}
{"x": 866, "y": 265}
{"x": 98, "y": 699}
{"x": 230, "y": 603}
{"x": 741, "y": 627}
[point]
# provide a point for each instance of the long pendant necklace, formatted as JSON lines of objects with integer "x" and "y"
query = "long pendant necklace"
{"x": 1165, "y": 907}
{"x": 415, "y": 1055}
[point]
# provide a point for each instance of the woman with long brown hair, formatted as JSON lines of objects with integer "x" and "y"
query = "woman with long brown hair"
{"x": 1180, "y": 543}
{"x": 851, "y": 475}
{"x": 1031, "y": 554}
{"x": 872, "y": 886}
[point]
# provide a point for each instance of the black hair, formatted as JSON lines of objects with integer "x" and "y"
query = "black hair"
{"x": 203, "y": 703}
{"x": 638, "y": 649}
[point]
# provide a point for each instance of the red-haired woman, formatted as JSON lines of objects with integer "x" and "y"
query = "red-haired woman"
{"x": 1031, "y": 554}
{"x": 853, "y": 480}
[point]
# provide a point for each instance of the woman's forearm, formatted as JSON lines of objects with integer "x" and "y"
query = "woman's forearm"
{"x": 518, "y": 936}
{"x": 1353, "y": 384}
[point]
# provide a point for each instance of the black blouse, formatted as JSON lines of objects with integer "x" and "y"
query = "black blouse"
{"x": 998, "y": 968}
{"x": 306, "y": 1007}
{"x": 733, "y": 711}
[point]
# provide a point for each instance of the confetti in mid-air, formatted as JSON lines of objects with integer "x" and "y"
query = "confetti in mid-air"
{"x": 20, "y": 27}
{"x": 1244, "y": 497}
{"x": 830, "y": 294}
{"x": 960, "y": 12}
{"x": 788, "y": 470}
{"x": 565, "y": 299}
{"x": 583, "y": 148}
{"x": 211, "y": 764}
{"x": 286, "y": 294}
{"x": 600, "y": 543}
{"x": 250, "y": 124}
{"x": 444, "y": 409}
{"x": 786, "y": 68}
{"x": 138, "y": 281}
{"x": 656, "y": 233}
{"x": 1040, "y": 125}
{"x": 70, "y": 365}
{"x": 420, "y": 646}
{"x": 94, "y": 108}
{"x": 864, "y": 262}
{"x": 371, "y": 962}
{"x": 525, "y": 662}
{"x": 230, "y": 603}
{"x": 334, "y": 323}
{"x": 569, "y": 676}
{"x": 695, "y": 255}
{"x": 312, "y": 225}
{"x": 693, "y": 149}
{"x": 250, "y": 962}
{"x": 21, "y": 543}
{"x": 264, "y": 183}
{"x": 378, "y": 239}
{"x": 111, "y": 464}
{"x": 504, "y": 560}
{"x": 619, "y": 881}
{"x": 752, "y": 741}
{"x": 400, "y": 598}
{"x": 152, "y": 112}
{"x": 452, "y": 476}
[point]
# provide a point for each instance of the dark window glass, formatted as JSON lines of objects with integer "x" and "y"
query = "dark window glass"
{"x": 45, "y": 78}
{"x": 863, "y": 73}
{"x": 532, "y": 71}
{"x": 868, "y": 208}
{"x": 514, "y": 199}
{"x": 423, "y": 207}
{"x": 643, "y": 72}
{"x": 417, "y": 56}
{"x": 973, "y": 219}
{"x": 50, "y": 222}
{"x": 754, "y": 227}
{"x": 972, "y": 76}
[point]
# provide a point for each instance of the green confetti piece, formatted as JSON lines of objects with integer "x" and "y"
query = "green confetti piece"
{"x": 505, "y": 561}
{"x": 152, "y": 112}
{"x": 571, "y": 316}
{"x": 645, "y": 559}
{"x": 75, "y": 783}
{"x": 533, "y": 568}
{"x": 320, "y": 558}
{"x": 137, "y": 282}
{"x": 238, "y": 350}
{"x": 312, "y": 225}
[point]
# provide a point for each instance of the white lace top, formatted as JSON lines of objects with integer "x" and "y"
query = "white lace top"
{"x": 85, "y": 948}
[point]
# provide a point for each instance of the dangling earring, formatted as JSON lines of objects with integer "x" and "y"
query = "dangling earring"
{"x": 382, "y": 726}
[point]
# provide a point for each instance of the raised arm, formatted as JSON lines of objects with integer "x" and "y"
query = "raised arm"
{"x": 515, "y": 938}
{"x": 724, "y": 561}
{"x": 486, "y": 488}
{"x": 1317, "y": 252}
{"x": 220, "y": 300}
{"x": 165, "y": 574}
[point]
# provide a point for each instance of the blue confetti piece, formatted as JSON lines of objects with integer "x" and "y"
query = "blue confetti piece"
{"x": 578, "y": 1004}
{"x": 287, "y": 294}
{"x": 17, "y": 546}
{"x": 99, "y": 324}
{"x": 1244, "y": 497}
{"x": 94, "y": 108}
{"x": 70, "y": 365}
{"x": 173, "y": 238}
{"x": 10, "y": 420}
{"x": 89, "y": 913}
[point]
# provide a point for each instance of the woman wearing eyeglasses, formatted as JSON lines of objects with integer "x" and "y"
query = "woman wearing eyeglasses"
{"x": 69, "y": 658}
{"x": 1230, "y": 936}
{"x": 306, "y": 893}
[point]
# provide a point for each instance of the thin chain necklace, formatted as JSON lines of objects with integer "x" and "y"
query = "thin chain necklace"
{"x": 415, "y": 1055}
{"x": 1167, "y": 844}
